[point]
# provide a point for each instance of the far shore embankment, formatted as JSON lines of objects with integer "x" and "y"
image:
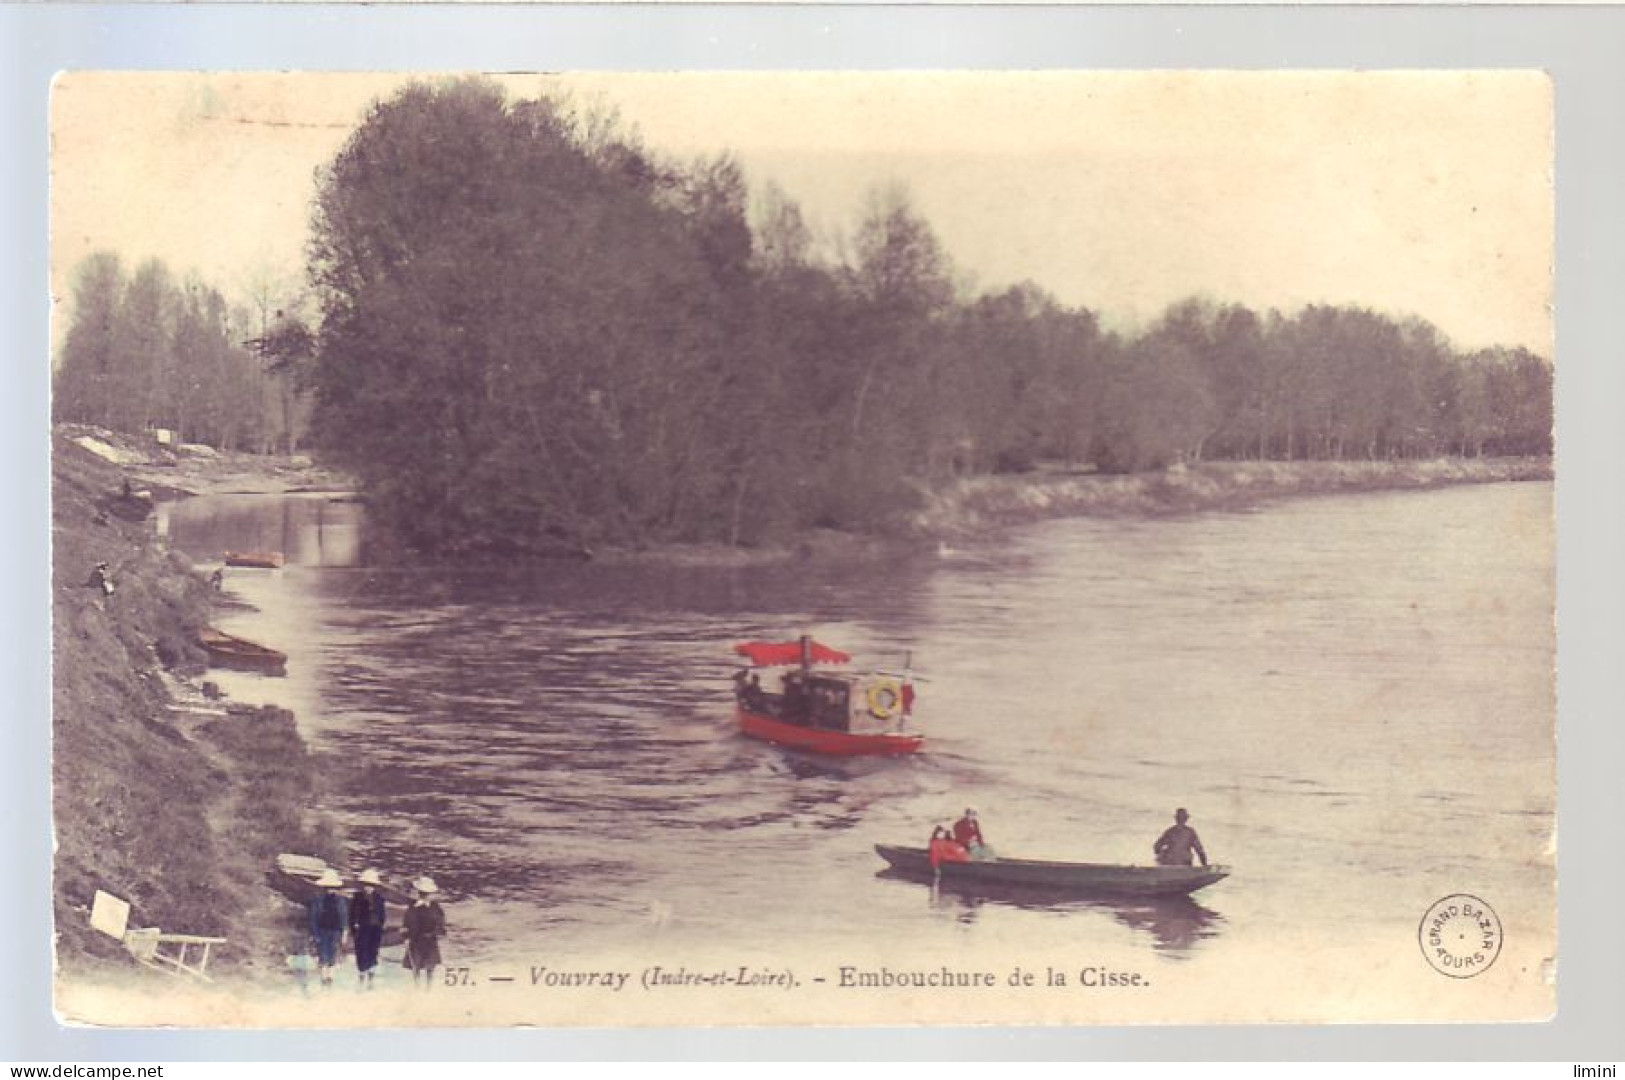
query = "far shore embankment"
{"x": 968, "y": 508}
{"x": 182, "y": 471}
{"x": 980, "y": 504}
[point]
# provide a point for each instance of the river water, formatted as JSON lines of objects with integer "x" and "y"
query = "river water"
{"x": 1353, "y": 696}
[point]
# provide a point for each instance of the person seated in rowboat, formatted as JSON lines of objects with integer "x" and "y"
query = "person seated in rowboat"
{"x": 1175, "y": 846}
{"x": 944, "y": 848}
{"x": 968, "y": 834}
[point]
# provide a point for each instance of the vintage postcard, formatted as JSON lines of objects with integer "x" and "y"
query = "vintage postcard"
{"x": 802, "y": 549}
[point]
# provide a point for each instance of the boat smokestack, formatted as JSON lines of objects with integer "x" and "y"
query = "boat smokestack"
{"x": 806, "y": 654}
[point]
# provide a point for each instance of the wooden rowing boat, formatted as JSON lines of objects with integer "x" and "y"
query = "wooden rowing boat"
{"x": 1059, "y": 878}
{"x": 294, "y": 876}
{"x": 260, "y": 560}
{"x": 234, "y": 652}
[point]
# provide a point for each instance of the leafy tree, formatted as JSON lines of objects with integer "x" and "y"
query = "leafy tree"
{"x": 532, "y": 329}
{"x": 1157, "y": 407}
{"x": 146, "y": 328}
{"x": 85, "y": 384}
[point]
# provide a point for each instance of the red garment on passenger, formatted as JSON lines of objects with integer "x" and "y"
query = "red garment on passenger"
{"x": 967, "y": 832}
{"x": 947, "y": 851}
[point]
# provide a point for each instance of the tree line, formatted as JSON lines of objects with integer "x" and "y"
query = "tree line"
{"x": 536, "y": 332}
{"x": 146, "y": 351}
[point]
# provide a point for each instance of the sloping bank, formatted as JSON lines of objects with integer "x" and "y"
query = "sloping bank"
{"x": 171, "y": 802}
{"x": 979, "y": 503}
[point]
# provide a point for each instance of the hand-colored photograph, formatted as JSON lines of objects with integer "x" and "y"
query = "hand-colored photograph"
{"x": 600, "y": 550}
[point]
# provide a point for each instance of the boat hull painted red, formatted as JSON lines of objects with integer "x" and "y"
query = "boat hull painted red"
{"x": 825, "y": 741}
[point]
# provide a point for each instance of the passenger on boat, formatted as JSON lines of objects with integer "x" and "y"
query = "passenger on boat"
{"x": 1175, "y": 845}
{"x": 968, "y": 833}
{"x": 748, "y": 689}
{"x": 425, "y": 925}
{"x": 367, "y": 918}
{"x": 329, "y": 915}
{"x": 795, "y": 697}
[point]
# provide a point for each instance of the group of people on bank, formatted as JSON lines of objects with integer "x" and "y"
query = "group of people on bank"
{"x": 363, "y": 916}
{"x": 1177, "y": 845}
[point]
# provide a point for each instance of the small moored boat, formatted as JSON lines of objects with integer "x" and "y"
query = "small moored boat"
{"x": 1060, "y": 878}
{"x": 838, "y": 712}
{"x": 294, "y": 876}
{"x": 260, "y": 560}
{"x": 233, "y": 652}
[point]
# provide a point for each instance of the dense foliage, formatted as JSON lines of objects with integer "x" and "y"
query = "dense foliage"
{"x": 147, "y": 352}
{"x": 536, "y": 332}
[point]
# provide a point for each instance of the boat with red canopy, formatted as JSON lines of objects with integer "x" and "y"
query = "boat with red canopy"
{"x": 831, "y": 710}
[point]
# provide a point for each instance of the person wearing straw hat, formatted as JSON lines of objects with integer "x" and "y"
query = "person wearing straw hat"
{"x": 425, "y": 925}
{"x": 328, "y": 916}
{"x": 367, "y": 919}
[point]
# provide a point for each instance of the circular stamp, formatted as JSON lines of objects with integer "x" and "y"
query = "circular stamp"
{"x": 1460, "y": 936}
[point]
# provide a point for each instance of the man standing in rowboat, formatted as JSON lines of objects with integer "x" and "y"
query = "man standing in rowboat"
{"x": 968, "y": 832}
{"x": 1174, "y": 846}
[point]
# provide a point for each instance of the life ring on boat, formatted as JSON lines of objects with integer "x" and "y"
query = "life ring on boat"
{"x": 886, "y": 699}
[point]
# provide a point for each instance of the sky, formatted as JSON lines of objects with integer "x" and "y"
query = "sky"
{"x": 1425, "y": 193}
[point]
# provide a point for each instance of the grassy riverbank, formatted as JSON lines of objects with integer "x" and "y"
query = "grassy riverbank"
{"x": 171, "y": 801}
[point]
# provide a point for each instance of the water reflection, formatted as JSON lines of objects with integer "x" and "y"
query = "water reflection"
{"x": 309, "y": 530}
{"x": 1176, "y": 923}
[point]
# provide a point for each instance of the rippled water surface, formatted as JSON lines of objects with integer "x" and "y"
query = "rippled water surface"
{"x": 1352, "y": 695}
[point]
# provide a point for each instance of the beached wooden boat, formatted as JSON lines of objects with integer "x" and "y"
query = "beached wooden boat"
{"x": 260, "y": 560}
{"x": 294, "y": 876}
{"x": 1058, "y": 878}
{"x": 233, "y": 652}
{"x": 842, "y": 713}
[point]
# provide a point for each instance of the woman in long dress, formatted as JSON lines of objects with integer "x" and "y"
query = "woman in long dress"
{"x": 367, "y": 918}
{"x": 425, "y": 925}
